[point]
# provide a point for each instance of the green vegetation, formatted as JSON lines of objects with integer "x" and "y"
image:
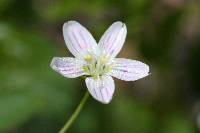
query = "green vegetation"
{"x": 164, "y": 34}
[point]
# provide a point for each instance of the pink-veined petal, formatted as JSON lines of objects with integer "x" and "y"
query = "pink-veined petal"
{"x": 113, "y": 39}
{"x": 78, "y": 39}
{"x": 68, "y": 67}
{"x": 101, "y": 89}
{"x": 129, "y": 70}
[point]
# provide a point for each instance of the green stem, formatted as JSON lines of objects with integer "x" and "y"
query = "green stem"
{"x": 75, "y": 114}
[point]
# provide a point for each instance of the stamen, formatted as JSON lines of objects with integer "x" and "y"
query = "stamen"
{"x": 108, "y": 69}
{"x": 96, "y": 67}
{"x": 88, "y": 58}
{"x": 85, "y": 68}
{"x": 104, "y": 59}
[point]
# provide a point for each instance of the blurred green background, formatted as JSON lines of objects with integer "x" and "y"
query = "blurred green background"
{"x": 165, "y": 34}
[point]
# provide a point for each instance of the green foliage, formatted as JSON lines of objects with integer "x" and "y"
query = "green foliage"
{"x": 35, "y": 99}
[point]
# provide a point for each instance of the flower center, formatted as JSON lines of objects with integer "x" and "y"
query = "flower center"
{"x": 96, "y": 66}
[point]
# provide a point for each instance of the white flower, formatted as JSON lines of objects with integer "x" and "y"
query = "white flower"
{"x": 98, "y": 62}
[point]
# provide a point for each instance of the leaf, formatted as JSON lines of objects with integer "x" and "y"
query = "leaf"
{"x": 15, "y": 109}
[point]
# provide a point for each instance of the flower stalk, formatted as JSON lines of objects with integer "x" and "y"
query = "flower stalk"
{"x": 75, "y": 113}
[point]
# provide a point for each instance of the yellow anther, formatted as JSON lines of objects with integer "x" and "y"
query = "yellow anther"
{"x": 85, "y": 68}
{"x": 108, "y": 69}
{"x": 104, "y": 59}
{"x": 88, "y": 58}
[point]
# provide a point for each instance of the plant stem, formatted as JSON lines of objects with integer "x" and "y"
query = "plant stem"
{"x": 75, "y": 113}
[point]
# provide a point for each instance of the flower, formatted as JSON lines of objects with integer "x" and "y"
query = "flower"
{"x": 97, "y": 61}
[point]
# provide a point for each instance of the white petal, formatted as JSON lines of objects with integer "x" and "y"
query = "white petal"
{"x": 113, "y": 39}
{"x": 129, "y": 70}
{"x": 68, "y": 67}
{"x": 101, "y": 89}
{"x": 78, "y": 39}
